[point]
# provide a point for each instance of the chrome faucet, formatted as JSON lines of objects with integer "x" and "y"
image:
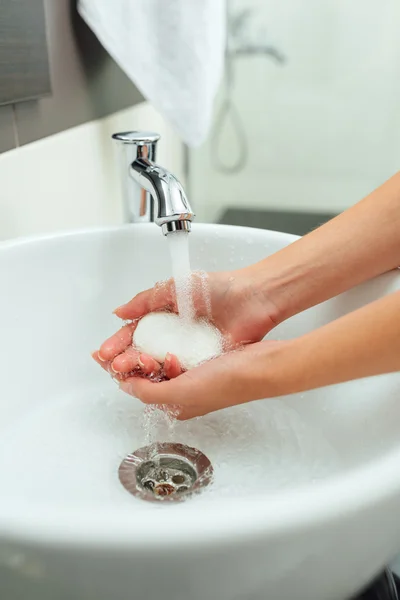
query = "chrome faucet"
{"x": 151, "y": 193}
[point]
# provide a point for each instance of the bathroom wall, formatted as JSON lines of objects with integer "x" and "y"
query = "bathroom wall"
{"x": 70, "y": 179}
{"x": 57, "y": 164}
{"x": 86, "y": 84}
{"x": 324, "y": 129}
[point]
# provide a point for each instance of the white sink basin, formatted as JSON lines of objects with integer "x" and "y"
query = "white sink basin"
{"x": 306, "y": 498}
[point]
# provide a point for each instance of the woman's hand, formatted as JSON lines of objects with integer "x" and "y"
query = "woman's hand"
{"x": 247, "y": 304}
{"x": 360, "y": 344}
{"x": 248, "y": 373}
{"x": 236, "y": 302}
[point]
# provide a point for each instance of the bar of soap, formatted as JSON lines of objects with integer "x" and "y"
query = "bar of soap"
{"x": 159, "y": 333}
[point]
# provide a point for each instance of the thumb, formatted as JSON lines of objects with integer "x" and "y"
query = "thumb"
{"x": 161, "y": 296}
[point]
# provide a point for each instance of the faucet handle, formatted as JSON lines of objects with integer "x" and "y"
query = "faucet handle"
{"x": 138, "y": 205}
{"x": 143, "y": 143}
{"x": 140, "y": 138}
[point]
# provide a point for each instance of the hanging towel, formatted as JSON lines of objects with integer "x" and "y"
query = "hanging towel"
{"x": 173, "y": 51}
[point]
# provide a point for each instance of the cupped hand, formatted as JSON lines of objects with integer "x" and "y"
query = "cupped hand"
{"x": 239, "y": 376}
{"x": 234, "y": 301}
{"x": 118, "y": 357}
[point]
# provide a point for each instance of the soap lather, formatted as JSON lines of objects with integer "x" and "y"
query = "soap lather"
{"x": 192, "y": 343}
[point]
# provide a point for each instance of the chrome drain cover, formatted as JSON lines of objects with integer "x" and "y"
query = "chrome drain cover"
{"x": 165, "y": 471}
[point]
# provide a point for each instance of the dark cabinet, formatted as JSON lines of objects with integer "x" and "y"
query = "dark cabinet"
{"x": 24, "y": 63}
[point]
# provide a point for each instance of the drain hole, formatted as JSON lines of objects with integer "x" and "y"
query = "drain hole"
{"x": 165, "y": 471}
{"x": 179, "y": 479}
{"x": 148, "y": 485}
{"x": 164, "y": 490}
{"x": 162, "y": 475}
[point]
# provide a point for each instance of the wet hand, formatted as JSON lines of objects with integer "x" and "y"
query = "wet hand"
{"x": 234, "y": 378}
{"x": 233, "y": 301}
{"x": 120, "y": 359}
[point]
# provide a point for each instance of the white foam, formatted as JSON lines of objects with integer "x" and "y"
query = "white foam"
{"x": 192, "y": 342}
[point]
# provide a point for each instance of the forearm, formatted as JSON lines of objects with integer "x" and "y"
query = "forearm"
{"x": 361, "y": 344}
{"x": 359, "y": 244}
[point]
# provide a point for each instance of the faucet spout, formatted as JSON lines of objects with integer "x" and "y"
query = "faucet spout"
{"x": 172, "y": 211}
{"x": 151, "y": 193}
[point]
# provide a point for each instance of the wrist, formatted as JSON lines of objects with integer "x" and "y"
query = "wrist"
{"x": 254, "y": 295}
{"x": 279, "y": 285}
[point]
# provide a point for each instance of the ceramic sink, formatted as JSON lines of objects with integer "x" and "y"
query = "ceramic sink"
{"x": 302, "y": 484}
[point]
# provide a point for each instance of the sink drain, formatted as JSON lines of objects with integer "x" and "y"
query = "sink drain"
{"x": 165, "y": 471}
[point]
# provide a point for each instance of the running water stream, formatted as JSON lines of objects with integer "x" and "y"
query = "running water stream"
{"x": 178, "y": 243}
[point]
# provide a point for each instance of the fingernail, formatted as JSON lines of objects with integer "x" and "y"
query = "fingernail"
{"x": 113, "y": 369}
{"x": 118, "y": 308}
{"x": 167, "y": 358}
{"x": 101, "y": 358}
{"x": 140, "y": 361}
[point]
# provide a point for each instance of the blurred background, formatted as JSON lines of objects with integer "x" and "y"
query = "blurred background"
{"x": 306, "y": 120}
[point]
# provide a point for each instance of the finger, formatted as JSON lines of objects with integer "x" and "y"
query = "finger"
{"x": 162, "y": 295}
{"x": 149, "y": 365}
{"x": 106, "y": 365}
{"x": 132, "y": 359}
{"x": 117, "y": 343}
{"x": 126, "y": 361}
{"x": 172, "y": 366}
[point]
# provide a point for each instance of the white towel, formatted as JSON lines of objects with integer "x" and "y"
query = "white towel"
{"x": 173, "y": 50}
